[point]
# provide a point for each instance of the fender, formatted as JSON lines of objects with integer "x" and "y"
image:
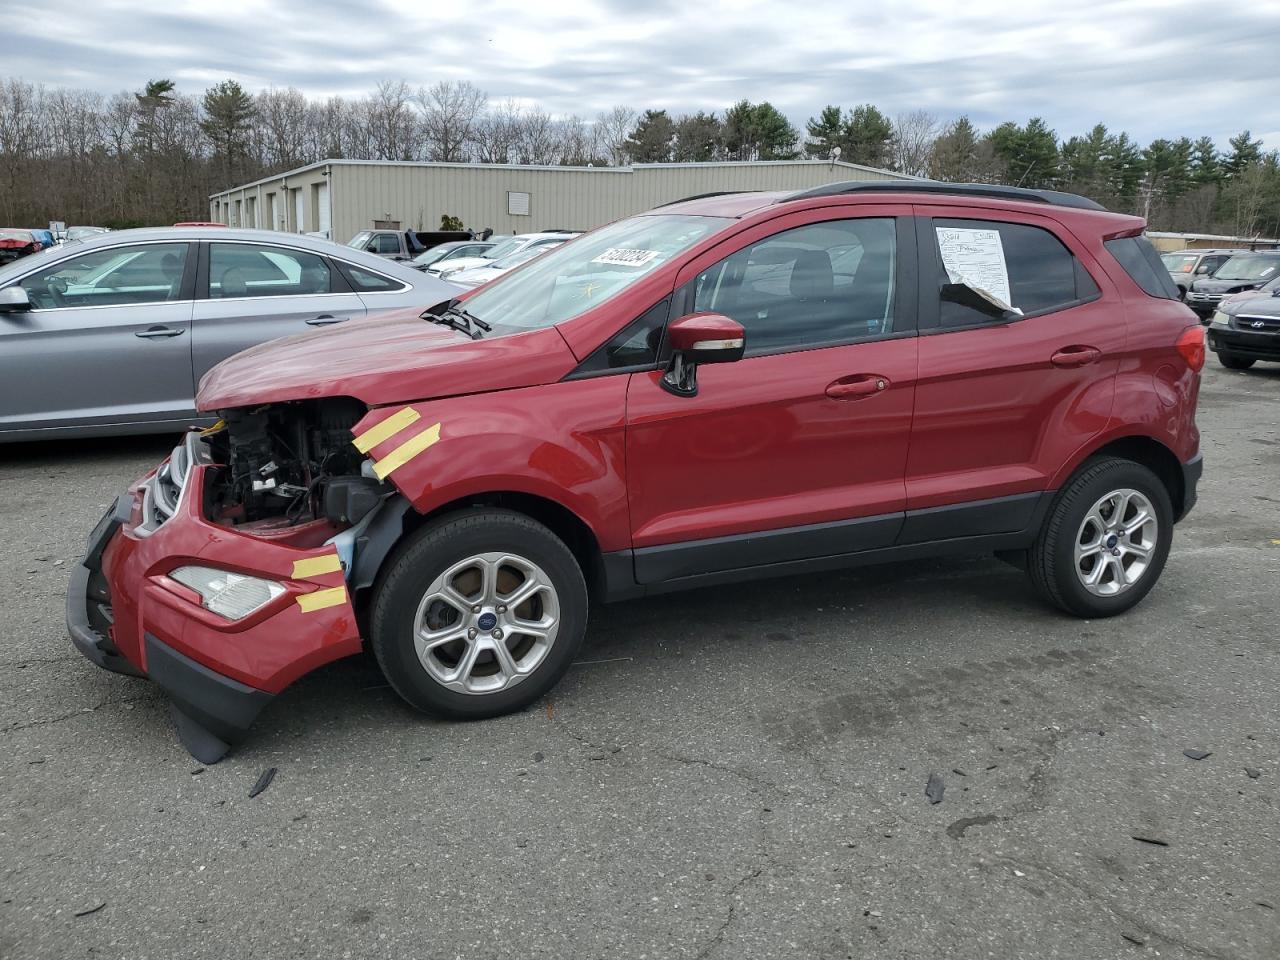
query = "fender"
{"x": 564, "y": 442}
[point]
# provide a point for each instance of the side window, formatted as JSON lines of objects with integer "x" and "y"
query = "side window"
{"x": 986, "y": 265}
{"x": 816, "y": 285}
{"x": 385, "y": 243}
{"x": 253, "y": 270}
{"x": 366, "y": 281}
{"x": 637, "y": 346}
{"x": 148, "y": 273}
{"x": 1142, "y": 264}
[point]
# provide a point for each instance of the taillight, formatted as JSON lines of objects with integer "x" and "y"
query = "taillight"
{"x": 1191, "y": 346}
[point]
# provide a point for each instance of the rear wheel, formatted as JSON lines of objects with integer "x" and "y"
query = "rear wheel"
{"x": 479, "y": 615}
{"x": 1232, "y": 362}
{"x": 1105, "y": 540}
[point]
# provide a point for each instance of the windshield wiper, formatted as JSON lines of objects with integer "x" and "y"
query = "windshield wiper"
{"x": 458, "y": 319}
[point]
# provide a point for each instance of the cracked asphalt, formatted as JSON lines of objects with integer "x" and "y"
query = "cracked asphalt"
{"x": 737, "y": 772}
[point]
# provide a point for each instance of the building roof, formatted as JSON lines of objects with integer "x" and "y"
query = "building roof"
{"x": 1208, "y": 236}
{"x": 630, "y": 168}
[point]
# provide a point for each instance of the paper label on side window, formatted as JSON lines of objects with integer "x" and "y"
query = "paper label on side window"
{"x": 625, "y": 257}
{"x": 976, "y": 259}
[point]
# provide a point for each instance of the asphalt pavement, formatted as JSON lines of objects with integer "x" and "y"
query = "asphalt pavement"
{"x": 736, "y": 772}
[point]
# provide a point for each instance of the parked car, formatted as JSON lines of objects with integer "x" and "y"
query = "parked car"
{"x": 403, "y": 244}
{"x": 476, "y": 276}
{"x": 199, "y": 223}
{"x": 1245, "y": 271}
{"x": 723, "y": 389}
{"x": 84, "y": 233}
{"x": 1246, "y": 327}
{"x": 453, "y": 250}
{"x": 547, "y": 238}
{"x": 45, "y": 238}
{"x": 1187, "y": 266}
{"x": 17, "y": 243}
{"x": 112, "y": 334}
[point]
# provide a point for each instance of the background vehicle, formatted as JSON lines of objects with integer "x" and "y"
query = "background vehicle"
{"x": 111, "y": 335}
{"x": 1187, "y": 266}
{"x": 452, "y": 250}
{"x": 727, "y": 388}
{"x": 1245, "y": 271}
{"x": 17, "y": 243}
{"x": 476, "y": 276}
{"x": 84, "y": 233}
{"x": 199, "y": 223}
{"x": 1246, "y": 327}
{"x": 546, "y": 239}
{"x": 45, "y": 238}
{"x": 403, "y": 244}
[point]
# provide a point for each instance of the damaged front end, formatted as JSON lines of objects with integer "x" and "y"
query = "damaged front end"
{"x": 229, "y": 571}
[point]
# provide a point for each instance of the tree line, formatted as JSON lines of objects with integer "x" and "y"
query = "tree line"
{"x": 153, "y": 155}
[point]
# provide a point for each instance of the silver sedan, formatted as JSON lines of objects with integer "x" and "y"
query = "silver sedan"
{"x": 112, "y": 335}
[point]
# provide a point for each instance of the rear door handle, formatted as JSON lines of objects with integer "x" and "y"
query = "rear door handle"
{"x": 159, "y": 333}
{"x": 324, "y": 320}
{"x": 1076, "y": 355}
{"x": 857, "y": 385}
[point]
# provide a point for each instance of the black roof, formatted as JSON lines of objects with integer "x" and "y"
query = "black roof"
{"x": 996, "y": 191}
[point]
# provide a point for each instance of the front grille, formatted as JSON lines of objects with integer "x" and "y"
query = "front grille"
{"x": 1258, "y": 324}
{"x": 162, "y": 494}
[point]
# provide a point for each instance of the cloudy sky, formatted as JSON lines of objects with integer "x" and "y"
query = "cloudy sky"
{"x": 1152, "y": 67}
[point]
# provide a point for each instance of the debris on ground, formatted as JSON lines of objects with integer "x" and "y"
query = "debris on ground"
{"x": 1154, "y": 841}
{"x": 264, "y": 781}
{"x": 934, "y": 788}
{"x": 1253, "y": 772}
{"x": 197, "y": 771}
{"x": 1134, "y": 938}
{"x": 91, "y": 910}
{"x": 958, "y": 772}
{"x": 538, "y": 757}
{"x": 1197, "y": 754}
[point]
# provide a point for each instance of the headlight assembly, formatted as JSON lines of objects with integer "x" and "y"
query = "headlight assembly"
{"x": 230, "y": 595}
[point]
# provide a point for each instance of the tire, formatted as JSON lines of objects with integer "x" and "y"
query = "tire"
{"x": 1081, "y": 516}
{"x": 1232, "y": 362}
{"x": 429, "y": 583}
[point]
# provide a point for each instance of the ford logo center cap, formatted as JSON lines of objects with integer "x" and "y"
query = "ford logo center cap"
{"x": 487, "y": 621}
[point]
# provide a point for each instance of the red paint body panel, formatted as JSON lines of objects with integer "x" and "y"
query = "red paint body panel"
{"x": 269, "y": 649}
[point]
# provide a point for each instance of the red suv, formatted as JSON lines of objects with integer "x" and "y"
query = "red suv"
{"x": 729, "y": 387}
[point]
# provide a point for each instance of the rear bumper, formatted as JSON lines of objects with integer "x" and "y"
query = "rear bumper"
{"x": 1191, "y": 473}
{"x": 125, "y": 614}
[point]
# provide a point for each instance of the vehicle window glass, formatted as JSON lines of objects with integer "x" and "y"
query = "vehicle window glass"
{"x": 1143, "y": 265}
{"x": 1180, "y": 262}
{"x": 250, "y": 270}
{"x": 823, "y": 283}
{"x": 1041, "y": 274}
{"x": 359, "y": 240}
{"x": 366, "y": 281}
{"x": 1249, "y": 267}
{"x": 149, "y": 273}
{"x": 636, "y": 346}
{"x": 386, "y": 243}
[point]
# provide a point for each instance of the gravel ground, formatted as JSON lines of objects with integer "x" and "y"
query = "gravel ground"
{"x": 737, "y": 772}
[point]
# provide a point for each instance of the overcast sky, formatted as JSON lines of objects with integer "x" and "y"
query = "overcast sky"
{"x": 1156, "y": 68}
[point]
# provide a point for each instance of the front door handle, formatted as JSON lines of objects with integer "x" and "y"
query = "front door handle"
{"x": 324, "y": 320}
{"x": 159, "y": 333}
{"x": 1076, "y": 355}
{"x": 858, "y": 385}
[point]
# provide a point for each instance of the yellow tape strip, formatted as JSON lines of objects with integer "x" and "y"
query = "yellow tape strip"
{"x": 406, "y": 451}
{"x": 319, "y": 599}
{"x": 214, "y": 429}
{"x": 314, "y": 566}
{"x": 386, "y": 429}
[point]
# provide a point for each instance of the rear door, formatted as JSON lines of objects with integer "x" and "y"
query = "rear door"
{"x": 107, "y": 340}
{"x": 1004, "y": 400}
{"x": 253, "y": 292}
{"x": 805, "y": 439}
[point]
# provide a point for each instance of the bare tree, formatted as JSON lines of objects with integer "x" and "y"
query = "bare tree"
{"x": 450, "y": 111}
{"x": 391, "y": 128}
{"x": 579, "y": 143}
{"x": 615, "y": 126}
{"x": 914, "y": 133}
{"x": 497, "y": 134}
{"x": 284, "y": 129}
{"x": 537, "y": 141}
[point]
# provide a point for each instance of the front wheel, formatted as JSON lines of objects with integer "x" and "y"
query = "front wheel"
{"x": 479, "y": 614}
{"x": 1105, "y": 541}
{"x": 1232, "y": 362}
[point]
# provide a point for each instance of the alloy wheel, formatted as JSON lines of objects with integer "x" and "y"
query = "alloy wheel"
{"x": 1116, "y": 542}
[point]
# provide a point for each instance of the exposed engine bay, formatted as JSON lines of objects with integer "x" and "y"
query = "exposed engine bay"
{"x": 291, "y": 463}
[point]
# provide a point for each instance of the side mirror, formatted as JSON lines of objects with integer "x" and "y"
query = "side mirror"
{"x": 14, "y": 299}
{"x": 696, "y": 339}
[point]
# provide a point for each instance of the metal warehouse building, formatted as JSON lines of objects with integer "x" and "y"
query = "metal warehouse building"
{"x": 342, "y": 197}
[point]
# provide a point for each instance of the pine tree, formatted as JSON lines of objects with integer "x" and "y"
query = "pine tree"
{"x": 228, "y": 115}
{"x": 825, "y": 132}
{"x": 866, "y": 137}
{"x": 1245, "y": 152}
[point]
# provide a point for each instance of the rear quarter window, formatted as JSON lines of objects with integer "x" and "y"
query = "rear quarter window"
{"x": 1144, "y": 266}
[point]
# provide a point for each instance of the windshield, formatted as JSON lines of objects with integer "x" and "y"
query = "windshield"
{"x": 1248, "y": 268}
{"x": 434, "y": 254}
{"x": 359, "y": 240}
{"x": 584, "y": 274}
{"x": 1179, "y": 262}
{"x": 522, "y": 256}
{"x": 505, "y": 248}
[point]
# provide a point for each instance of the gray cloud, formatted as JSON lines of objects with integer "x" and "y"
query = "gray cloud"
{"x": 1150, "y": 67}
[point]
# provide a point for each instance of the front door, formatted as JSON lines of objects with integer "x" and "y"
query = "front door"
{"x": 254, "y": 292}
{"x": 799, "y": 449}
{"x": 107, "y": 340}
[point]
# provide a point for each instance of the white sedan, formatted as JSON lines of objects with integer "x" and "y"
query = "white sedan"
{"x": 475, "y": 276}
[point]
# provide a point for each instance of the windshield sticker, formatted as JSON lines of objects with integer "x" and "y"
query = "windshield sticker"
{"x": 626, "y": 257}
{"x": 976, "y": 259}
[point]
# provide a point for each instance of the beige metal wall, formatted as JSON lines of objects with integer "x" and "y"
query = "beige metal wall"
{"x": 560, "y": 197}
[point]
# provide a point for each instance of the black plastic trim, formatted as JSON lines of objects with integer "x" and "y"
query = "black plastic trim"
{"x": 934, "y": 187}
{"x": 373, "y": 545}
{"x": 91, "y": 643}
{"x": 973, "y": 519}
{"x": 1192, "y": 470}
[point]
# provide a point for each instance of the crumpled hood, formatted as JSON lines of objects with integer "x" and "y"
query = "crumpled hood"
{"x": 395, "y": 358}
{"x": 1213, "y": 285}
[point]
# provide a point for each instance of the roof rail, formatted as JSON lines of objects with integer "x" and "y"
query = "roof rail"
{"x": 996, "y": 191}
{"x": 703, "y": 196}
